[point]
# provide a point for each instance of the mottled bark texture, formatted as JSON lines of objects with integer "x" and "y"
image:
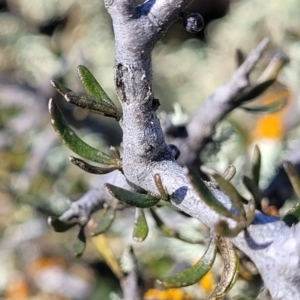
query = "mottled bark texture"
{"x": 272, "y": 246}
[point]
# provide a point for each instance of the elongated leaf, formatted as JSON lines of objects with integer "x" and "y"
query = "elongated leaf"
{"x": 253, "y": 189}
{"x": 230, "y": 270}
{"x": 207, "y": 196}
{"x": 73, "y": 142}
{"x": 229, "y": 172}
{"x": 160, "y": 187}
{"x": 89, "y": 168}
{"x": 80, "y": 243}
{"x": 292, "y": 216}
{"x": 274, "y": 67}
{"x": 93, "y": 104}
{"x": 293, "y": 177}
{"x": 251, "y": 211}
{"x": 131, "y": 198}
{"x": 103, "y": 247}
{"x": 92, "y": 86}
{"x": 196, "y": 272}
{"x": 228, "y": 189}
{"x": 105, "y": 222}
{"x": 171, "y": 232}
{"x": 58, "y": 225}
{"x": 256, "y": 165}
{"x": 256, "y": 90}
{"x": 60, "y": 88}
{"x": 140, "y": 230}
{"x": 268, "y": 109}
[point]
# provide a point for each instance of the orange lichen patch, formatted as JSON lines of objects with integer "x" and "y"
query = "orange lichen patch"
{"x": 207, "y": 283}
{"x": 272, "y": 211}
{"x": 170, "y": 294}
{"x": 271, "y": 126}
{"x": 17, "y": 289}
{"x": 269, "y": 210}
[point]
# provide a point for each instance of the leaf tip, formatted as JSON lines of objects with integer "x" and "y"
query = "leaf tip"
{"x": 138, "y": 239}
{"x": 53, "y": 83}
{"x": 49, "y": 221}
{"x": 77, "y": 254}
{"x": 50, "y": 105}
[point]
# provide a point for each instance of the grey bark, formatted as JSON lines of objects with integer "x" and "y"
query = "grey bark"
{"x": 272, "y": 246}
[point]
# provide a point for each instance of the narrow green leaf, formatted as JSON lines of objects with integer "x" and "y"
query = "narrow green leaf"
{"x": 171, "y": 232}
{"x": 251, "y": 211}
{"x": 92, "y": 86}
{"x": 140, "y": 230}
{"x": 80, "y": 243}
{"x": 207, "y": 196}
{"x": 131, "y": 198}
{"x": 196, "y": 272}
{"x": 229, "y": 190}
{"x": 254, "y": 190}
{"x": 58, "y": 225}
{"x": 230, "y": 270}
{"x": 105, "y": 222}
{"x": 229, "y": 172}
{"x": 256, "y": 90}
{"x": 292, "y": 216}
{"x": 222, "y": 229}
{"x": 93, "y": 104}
{"x": 89, "y": 168}
{"x": 293, "y": 177}
{"x": 268, "y": 109}
{"x": 256, "y": 165}
{"x": 73, "y": 142}
{"x": 160, "y": 187}
{"x": 60, "y": 88}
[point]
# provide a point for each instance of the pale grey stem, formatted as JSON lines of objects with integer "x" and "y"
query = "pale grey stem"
{"x": 272, "y": 246}
{"x": 81, "y": 210}
{"x": 201, "y": 126}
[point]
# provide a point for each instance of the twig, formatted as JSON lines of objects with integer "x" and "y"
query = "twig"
{"x": 146, "y": 154}
{"x": 81, "y": 210}
{"x": 132, "y": 283}
{"x": 201, "y": 126}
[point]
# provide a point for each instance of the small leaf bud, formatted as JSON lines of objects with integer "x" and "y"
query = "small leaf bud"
{"x": 192, "y": 22}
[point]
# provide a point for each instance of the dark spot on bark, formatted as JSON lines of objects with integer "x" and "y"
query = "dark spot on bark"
{"x": 120, "y": 83}
{"x": 155, "y": 104}
{"x": 179, "y": 194}
{"x": 177, "y": 131}
{"x": 119, "y": 75}
{"x": 175, "y": 151}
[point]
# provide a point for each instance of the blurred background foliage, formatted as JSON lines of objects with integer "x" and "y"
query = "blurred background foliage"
{"x": 43, "y": 40}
